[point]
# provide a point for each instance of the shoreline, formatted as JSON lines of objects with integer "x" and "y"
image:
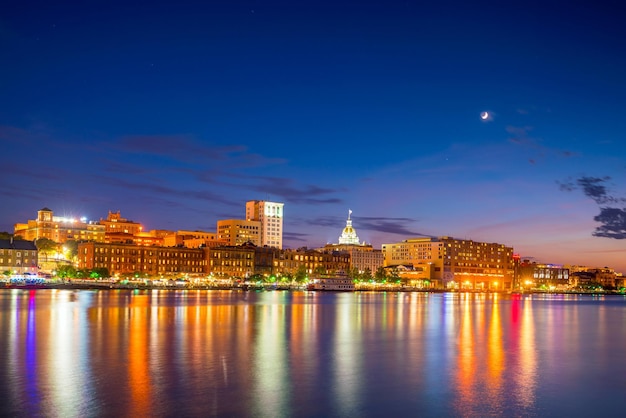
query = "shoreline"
{"x": 271, "y": 288}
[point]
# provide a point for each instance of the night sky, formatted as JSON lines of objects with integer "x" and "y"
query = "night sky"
{"x": 177, "y": 113}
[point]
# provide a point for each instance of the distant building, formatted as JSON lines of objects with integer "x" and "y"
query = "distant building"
{"x": 118, "y": 229}
{"x": 150, "y": 238}
{"x": 18, "y": 256}
{"x": 59, "y": 229}
{"x": 239, "y": 231}
{"x": 192, "y": 239}
{"x": 270, "y": 215}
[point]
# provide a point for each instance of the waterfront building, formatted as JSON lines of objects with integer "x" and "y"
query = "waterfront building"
{"x": 230, "y": 261}
{"x": 239, "y": 231}
{"x": 313, "y": 261}
{"x": 264, "y": 259}
{"x": 362, "y": 255}
{"x": 421, "y": 276}
{"x": 452, "y": 263}
{"x": 469, "y": 264}
{"x": 18, "y": 256}
{"x": 59, "y": 229}
{"x": 606, "y": 277}
{"x": 586, "y": 276}
{"x": 534, "y": 275}
{"x": 421, "y": 258}
{"x": 120, "y": 258}
{"x": 270, "y": 215}
{"x": 364, "y": 258}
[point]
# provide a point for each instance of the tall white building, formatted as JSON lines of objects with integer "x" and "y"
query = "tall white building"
{"x": 270, "y": 215}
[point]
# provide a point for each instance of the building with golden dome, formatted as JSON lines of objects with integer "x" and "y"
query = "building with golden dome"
{"x": 362, "y": 255}
{"x": 348, "y": 235}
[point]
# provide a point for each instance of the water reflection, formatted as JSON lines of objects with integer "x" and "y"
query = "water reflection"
{"x": 347, "y": 339}
{"x": 223, "y": 353}
{"x": 495, "y": 359}
{"x": 527, "y": 367}
{"x": 271, "y": 381}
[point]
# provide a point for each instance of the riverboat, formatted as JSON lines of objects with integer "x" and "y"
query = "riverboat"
{"x": 332, "y": 282}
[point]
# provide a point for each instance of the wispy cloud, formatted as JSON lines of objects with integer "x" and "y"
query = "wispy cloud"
{"x": 188, "y": 149}
{"x": 286, "y": 189}
{"x": 163, "y": 190}
{"x": 388, "y": 225}
{"x": 14, "y": 134}
{"x": 381, "y": 224}
{"x": 612, "y": 219}
{"x": 521, "y": 136}
{"x": 296, "y": 237}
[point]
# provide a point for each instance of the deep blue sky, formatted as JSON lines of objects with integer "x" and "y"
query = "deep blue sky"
{"x": 178, "y": 113}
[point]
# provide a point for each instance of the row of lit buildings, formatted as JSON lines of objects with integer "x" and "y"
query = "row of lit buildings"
{"x": 253, "y": 246}
{"x": 263, "y": 226}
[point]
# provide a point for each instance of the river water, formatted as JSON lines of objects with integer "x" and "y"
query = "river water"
{"x": 176, "y": 353}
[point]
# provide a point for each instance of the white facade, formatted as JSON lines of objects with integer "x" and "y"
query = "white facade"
{"x": 270, "y": 215}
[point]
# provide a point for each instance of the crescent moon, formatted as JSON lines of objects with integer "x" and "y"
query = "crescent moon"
{"x": 484, "y": 115}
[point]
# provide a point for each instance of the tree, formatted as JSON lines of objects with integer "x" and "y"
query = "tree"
{"x": 380, "y": 275}
{"x": 301, "y": 274}
{"x": 99, "y": 273}
{"x": 354, "y": 273}
{"x": 66, "y": 272}
{"x": 394, "y": 276}
{"x": 82, "y": 273}
{"x": 319, "y": 270}
{"x": 46, "y": 246}
{"x": 71, "y": 248}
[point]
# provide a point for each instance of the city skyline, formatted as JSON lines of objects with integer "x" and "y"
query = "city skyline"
{"x": 176, "y": 115}
{"x": 348, "y": 234}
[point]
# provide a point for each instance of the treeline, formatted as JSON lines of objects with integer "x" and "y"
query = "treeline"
{"x": 382, "y": 275}
{"x": 71, "y": 272}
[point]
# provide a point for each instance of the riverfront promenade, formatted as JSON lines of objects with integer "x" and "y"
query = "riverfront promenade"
{"x": 78, "y": 284}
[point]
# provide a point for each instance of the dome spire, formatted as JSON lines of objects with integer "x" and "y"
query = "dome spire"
{"x": 348, "y": 236}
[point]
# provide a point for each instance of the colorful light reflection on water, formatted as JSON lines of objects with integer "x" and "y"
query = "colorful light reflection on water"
{"x": 227, "y": 353}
